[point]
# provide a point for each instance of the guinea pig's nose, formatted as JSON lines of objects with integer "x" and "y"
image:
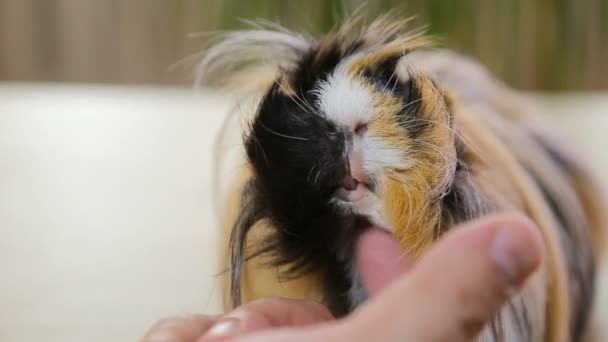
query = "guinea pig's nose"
{"x": 352, "y": 190}
{"x": 350, "y": 184}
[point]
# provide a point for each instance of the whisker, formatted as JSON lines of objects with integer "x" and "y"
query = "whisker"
{"x": 310, "y": 172}
{"x": 463, "y": 139}
{"x": 303, "y": 103}
{"x": 255, "y": 139}
{"x": 410, "y": 208}
{"x": 294, "y": 100}
{"x": 428, "y": 186}
{"x": 441, "y": 153}
{"x": 317, "y": 176}
{"x": 413, "y": 102}
{"x": 389, "y": 82}
{"x": 302, "y": 98}
{"x": 433, "y": 166}
{"x": 281, "y": 135}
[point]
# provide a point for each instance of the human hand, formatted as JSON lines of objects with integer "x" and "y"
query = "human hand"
{"x": 448, "y": 295}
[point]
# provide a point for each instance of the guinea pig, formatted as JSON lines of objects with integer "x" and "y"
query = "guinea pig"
{"x": 371, "y": 125}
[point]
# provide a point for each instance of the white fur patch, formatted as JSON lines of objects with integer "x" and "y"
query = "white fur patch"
{"x": 379, "y": 155}
{"x": 344, "y": 101}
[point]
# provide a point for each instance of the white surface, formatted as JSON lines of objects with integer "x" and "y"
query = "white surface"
{"x": 106, "y": 221}
{"x": 106, "y": 218}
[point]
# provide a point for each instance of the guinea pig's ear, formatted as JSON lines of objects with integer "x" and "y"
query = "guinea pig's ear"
{"x": 251, "y": 59}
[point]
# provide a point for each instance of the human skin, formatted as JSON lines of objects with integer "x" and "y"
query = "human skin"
{"x": 448, "y": 295}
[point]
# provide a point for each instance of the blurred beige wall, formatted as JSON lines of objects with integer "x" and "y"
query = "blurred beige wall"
{"x": 530, "y": 44}
{"x": 131, "y": 41}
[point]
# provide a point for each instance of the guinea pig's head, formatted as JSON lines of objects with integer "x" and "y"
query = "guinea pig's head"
{"x": 352, "y": 128}
{"x": 348, "y": 133}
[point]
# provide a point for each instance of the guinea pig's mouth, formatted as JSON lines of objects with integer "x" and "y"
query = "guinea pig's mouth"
{"x": 353, "y": 196}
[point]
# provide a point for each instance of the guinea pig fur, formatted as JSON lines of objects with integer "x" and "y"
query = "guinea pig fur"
{"x": 370, "y": 125}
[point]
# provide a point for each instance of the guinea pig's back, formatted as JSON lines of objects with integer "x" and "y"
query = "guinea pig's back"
{"x": 514, "y": 116}
{"x": 573, "y": 209}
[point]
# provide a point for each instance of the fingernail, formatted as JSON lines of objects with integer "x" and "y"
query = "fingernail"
{"x": 513, "y": 256}
{"x": 225, "y": 327}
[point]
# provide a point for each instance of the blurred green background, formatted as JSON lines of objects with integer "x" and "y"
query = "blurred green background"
{"x": 531, "y": 44}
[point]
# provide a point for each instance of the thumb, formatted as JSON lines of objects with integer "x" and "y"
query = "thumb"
{"x": 458, "y": 286}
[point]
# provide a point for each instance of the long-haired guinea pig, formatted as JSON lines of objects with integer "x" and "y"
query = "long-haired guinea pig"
{"x": 368, "y": 125}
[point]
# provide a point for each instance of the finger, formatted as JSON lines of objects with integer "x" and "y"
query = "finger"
{"x": 458, "y": 286}
{"x": 179, "y": 329}
{"x": 380, "y": 260}
{"x": 268, "y": 313}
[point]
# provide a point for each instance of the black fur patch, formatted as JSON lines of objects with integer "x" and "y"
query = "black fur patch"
{"x": 299, "y": 161}
{"x": 410, "y": 117}
{"x": 384, "y": 75}
{"x": 316, "y": 66}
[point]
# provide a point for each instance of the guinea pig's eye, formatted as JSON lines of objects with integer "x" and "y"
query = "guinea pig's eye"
{"x": 360, "y": 128}
{"x": 332, "y": 131}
